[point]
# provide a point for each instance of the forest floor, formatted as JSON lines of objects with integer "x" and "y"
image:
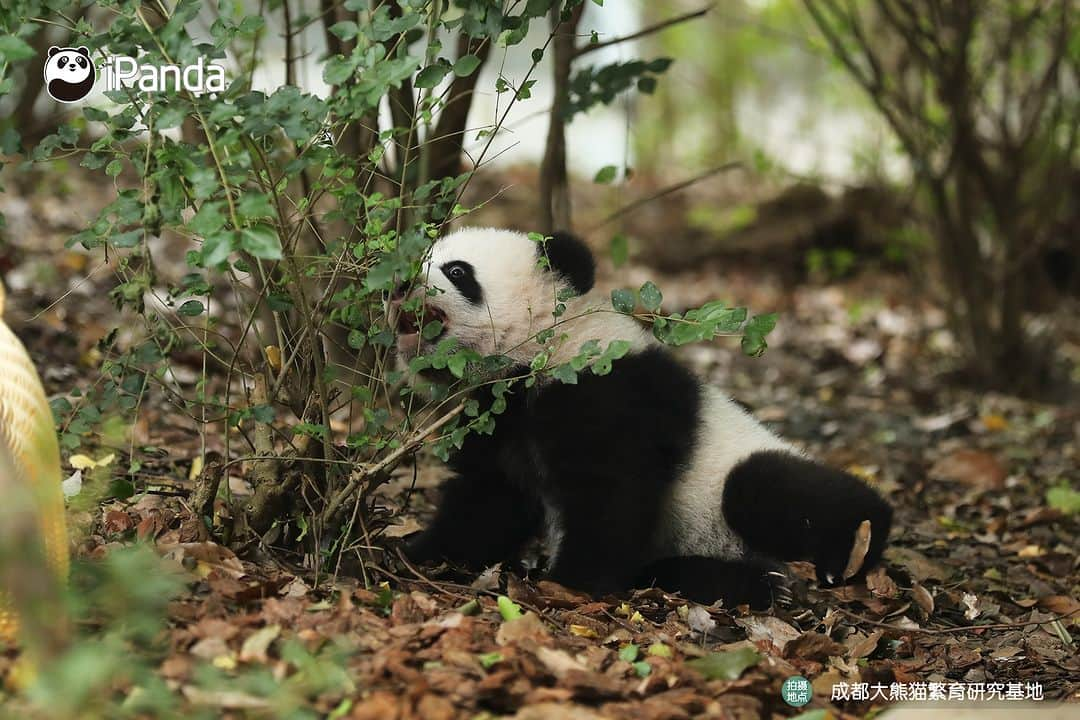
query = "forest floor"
{"x": 978, "y": 593}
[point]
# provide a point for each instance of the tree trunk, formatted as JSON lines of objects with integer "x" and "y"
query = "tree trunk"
{"x": 554, "y": 182}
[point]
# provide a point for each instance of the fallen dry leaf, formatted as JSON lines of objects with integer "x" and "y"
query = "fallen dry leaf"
{"x": 858, "y": 549}
{"x": 880, "y": 584}
{"x": 526, "y": 629}
{"x": 976, "y": 468}
{"x": 813, "y": 646}
{"x": 923, "y": 598}
{"x": 863, "y": 647}
{"x": 768, "y": 629}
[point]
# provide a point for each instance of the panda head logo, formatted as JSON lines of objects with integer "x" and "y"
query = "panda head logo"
{"x": 69, "y": 73}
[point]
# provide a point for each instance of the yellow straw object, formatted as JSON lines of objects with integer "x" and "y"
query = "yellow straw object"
{"x": 32, "y": 523}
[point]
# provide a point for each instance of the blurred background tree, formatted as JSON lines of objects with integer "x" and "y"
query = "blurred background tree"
{"x": 983, "y": 99}
{"x": 964, "y": 113}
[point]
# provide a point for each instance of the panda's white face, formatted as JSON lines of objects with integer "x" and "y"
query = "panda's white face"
{"x": 492, "y": 294}
{"x": 70, "y": 65}
{"x": 488, "y": 291}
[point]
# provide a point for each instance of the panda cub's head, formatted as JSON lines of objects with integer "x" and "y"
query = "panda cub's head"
{"x": 495, "y": 290}
{"x": 69, "y": 73}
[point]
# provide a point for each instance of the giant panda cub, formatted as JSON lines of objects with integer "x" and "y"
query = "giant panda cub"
{"x": 643, "y": 476}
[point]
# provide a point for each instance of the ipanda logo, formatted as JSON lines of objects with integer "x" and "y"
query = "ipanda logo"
{"x": 70, "y": 75}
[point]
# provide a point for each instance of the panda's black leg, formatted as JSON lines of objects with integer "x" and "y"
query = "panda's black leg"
{"x": 757, "y": 582}
{"x": 481, "y": 519}
{"x": 601, "y": 553}
{"x": 791, "y": 508}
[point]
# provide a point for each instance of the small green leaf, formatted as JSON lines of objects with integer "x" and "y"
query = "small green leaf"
{"x": 346, "y": 29}
{"x": 659, "y": 649}
{"x": 565, "y": 373}
{"x": 728, "y": 665}
{"x": 466, "y": 65}
{"x": 216, "y": 248}
{"x": 754, "y": 332}
{"x": 431, "y": 330}
{"x": 456, "y": 365}
{"x": 819, "y": 714}
{"x": 430, "y": 76}
{"x": 1064, "y": 498}
{"x": 651, "y": 297}
{"x": 642, "y": 668}
{"x": 622, "y": 300}
{"x": 12, "y": 49}
{"x": 605, "y": 175}
{"x": 619, "y": 250}
{"x": 628, "y": 653}
{"x": 509, "y": 609}
{"x": 261, "y": 241}
{"x": 114, "y": 168}
{"x": 489, "y": 659}
{"x": 190, "y": 309}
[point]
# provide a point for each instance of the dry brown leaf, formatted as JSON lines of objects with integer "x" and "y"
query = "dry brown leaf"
{"x": 976, "y": 468}
{"x": 231, "y": 699}
{"x": 923, "y": 598}
{"x": 1062, "y": 605}
{"x": 558, "y": 711}
{"x": 526, "y": 629}
{"x": 257, "y": 643}
{"x": 768, "y": 629}
{"x": 204, "y": 557}
{"x": 435, "y": 707}
{"x": 920, "y": 567}
{"x": 862, "y": 648}
{"x": 813, "y": 646}
{"x": 583, "y": 631}
{"x": 406, "y": 527}
{"x": 858, "y": 549}
{"x": 381, "y": 705}
{"x": 558, "y": 662}
{"x": 880, "y": 584}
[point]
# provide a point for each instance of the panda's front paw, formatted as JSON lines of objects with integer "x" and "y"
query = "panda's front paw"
{"x": 419, "y": 549}
{"x": 849, "y": 551}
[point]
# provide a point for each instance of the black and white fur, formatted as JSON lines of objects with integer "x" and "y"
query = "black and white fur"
{"x": 645, "y": 475}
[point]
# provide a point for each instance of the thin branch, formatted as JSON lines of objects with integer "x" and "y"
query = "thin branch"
{"x": 964, "y": 628}
{"x": 650, "y": 30}
{"x": 637, "y": 204}
{"x": 389, "y": 461}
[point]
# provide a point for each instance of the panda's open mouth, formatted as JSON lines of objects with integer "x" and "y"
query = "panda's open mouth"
{"x": 409, "y": 323}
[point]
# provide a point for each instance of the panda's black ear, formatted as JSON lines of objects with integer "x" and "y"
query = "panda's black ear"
{"x": 83, "y": 50}
{"x": 53, "y": 50}
{"x": 571, "y": 258}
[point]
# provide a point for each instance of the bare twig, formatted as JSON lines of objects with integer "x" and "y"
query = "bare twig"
{"x": 965, "y": 628}
{"x": 388, "y": 462}
{"x": 649, "y": 30}
{"x": 663, "y": 192}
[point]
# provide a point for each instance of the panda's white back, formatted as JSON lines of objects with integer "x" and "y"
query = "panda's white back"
{"x": 692, "y": 521}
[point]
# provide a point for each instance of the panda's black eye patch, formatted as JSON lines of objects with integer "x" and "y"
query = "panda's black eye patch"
{"x": 81, "y": 61}
{"x": 62, "y": 61}
{"x": 461, "y": 274}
